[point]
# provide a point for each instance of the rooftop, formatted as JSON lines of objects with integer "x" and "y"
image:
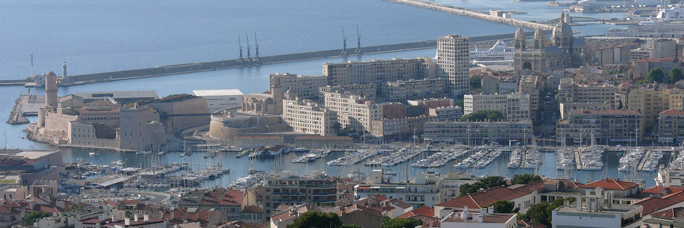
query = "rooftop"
{"x": 491, "y": 218}
{"x": 217, "y": 92}
{"x": 119, "y": 94}
{"x": 611, "y": 184}
{"x": 605, "y": 112}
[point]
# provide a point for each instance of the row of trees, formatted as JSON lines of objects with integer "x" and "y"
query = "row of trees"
{"x": 657, "y": 75}
{"x": 483, "y": 115}
{"x": 493, "y": 181}
{"x": 332, "y": 220}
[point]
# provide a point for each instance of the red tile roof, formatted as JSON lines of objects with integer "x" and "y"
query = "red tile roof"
{"x": 651, "y": 204}
{"x": 252, "y": 209}
{"x": 611, "y": 184}
{"x": 423, "y": 210}
{"x": 484, "y": 198}
{"x": 671, "y": 213}
{"x": 667, "y": 190}
{"x": 380, "y": 197}
{"x": 672, "y": 112}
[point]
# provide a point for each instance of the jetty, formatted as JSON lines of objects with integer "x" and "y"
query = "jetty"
{"x": 175, "y": 69}
{"x": 25, "y": 105}
{"x": 473, "y": 14}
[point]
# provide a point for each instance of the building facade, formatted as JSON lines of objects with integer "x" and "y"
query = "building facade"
{"x": 478, "y": 132}
{"x": 307, "y": 117}
{"x": 286, "y": 188}
{"x": 221, "y": 99}
{"x": 453, "y": 56}
{"x": 400, "y": 91}
{"x": 515, "y": 107}
{"x": 353, "y": 111}
{"x": 671, "y": 127}
{"x": 570, "y": 92}
{"x": 615, "y": 126}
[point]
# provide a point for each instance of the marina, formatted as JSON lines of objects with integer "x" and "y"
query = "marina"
{"x": 311, "y": 156}
{"x": 515, "y": 159}
{"x": 393, "y": 157}
{"x": 352, "y": 158}
{"x": 440, "y": 158}
{"x": 631, "y": 159}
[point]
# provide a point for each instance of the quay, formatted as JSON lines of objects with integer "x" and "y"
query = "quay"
{"x": 25, "y": 105}
{"x": 250, "y": 62}
{"x": 578, "y": 160}
{"x": 643, "y": 160}
{"x": 473, "y": 14}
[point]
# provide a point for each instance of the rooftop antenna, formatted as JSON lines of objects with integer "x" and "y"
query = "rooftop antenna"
{"x": 257, "y": 45}
{"x": 32, "y": 66}
{"x": 249, "y": 56}
{"x": 240, "y": 44}
{"x": 358, "y": 40}
{"x": 344, "y": 43}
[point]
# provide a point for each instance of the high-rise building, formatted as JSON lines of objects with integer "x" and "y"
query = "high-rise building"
{"x": 452, "y": 60}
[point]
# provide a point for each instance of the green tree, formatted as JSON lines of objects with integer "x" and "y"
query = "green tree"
{"x": 483, "y": 115}
{"x": 676, "y": 75}
{"x": 316, "y": 219}
{"x": 485, "y": 183}
{"x": 32, "y": 217}
{"x": 400, "y": 222}
{"x": 542, "y": 212}
{"x": 475, "y": 82}
{"x": 619, "y": 104}
{"x": 525, "y": 179}
{"x": 351, "y": 226}
{"x": 503, "y": 206}
{"x": 655, "y": 75}
{"x": 459, "y": 103}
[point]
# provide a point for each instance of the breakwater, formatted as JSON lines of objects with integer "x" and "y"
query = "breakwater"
{"x": 262, "y": 60}
{"x": 474, "y": 14}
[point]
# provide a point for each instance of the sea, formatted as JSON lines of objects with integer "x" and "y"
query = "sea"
{"x": 101, "y": 36}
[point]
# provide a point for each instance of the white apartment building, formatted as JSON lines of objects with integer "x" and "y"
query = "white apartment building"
{"x": 377, "y": 71}
{"x": 424, "y": 190}
{"x": 220, "y": 99}
{"x": 401, "y": 91}
{"x": 478, "y": 132}
{"x": 353, "y": 111}
{"x": 453, "y": 54}
{"x": 597, "y": 210}
{"x": 515, "y": 107}
{"x": 451, "y": 113}
{"x": 308, "y": 117}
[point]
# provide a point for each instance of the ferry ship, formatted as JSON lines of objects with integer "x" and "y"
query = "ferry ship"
{"x": 675, "y": 13}
{"x": 497, "y": 52}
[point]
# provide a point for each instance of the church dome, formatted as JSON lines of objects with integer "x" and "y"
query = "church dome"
{"x": 562, "y": 29}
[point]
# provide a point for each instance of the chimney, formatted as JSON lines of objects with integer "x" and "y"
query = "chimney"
{"x": 135, "y": 217}
{"x": 465, "y": 215}
{"x": 490, "y": 210}
{"x": 114, "y": 219}
{"x": 146, "y": 218}
{"x": 127, "y": 221}
{"x": 483, "y": 212}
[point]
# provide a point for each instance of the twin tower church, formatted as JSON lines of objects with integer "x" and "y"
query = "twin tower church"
{"x": 544, "y": 55}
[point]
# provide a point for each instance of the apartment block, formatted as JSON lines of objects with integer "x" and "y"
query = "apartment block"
{"x": 425, "y": 189}
{"x": 566, "y": 108}
{"x": 286, "y": 188}
{"x": 530, "y": 84}
{"x": 643, "y": 66}
{"x": 671, "y": 127}
{"x": 353, "y": 111}
{"x": 307, "y": 117}
{"x": 615, "y": 126}
{"x": 453, "y": 54}
{"x": 450, "y": 113}
{"x": 651, "y": 99}
{"x": 365, "y": 90}
{"x": 376, "y": 71}
{"x": 478, "y": 132}
{"x": 401, "y": 91}
{"x": 569, "y": 92}
{"x": 400, "y": 128}
{"x": 515, "y": 107}
{"x": 656, "y": 48}
{"x": 302, "y": 86}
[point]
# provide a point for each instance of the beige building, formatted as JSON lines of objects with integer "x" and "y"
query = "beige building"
{"x": 515, "y": 107}
{"x": 655, "y": 48}
{"x": 377, "y": 71}
{"x": 401, "y": 127}
{"x": 615, "y": 126}
{"x": 478, "y": 132}
{"x": 643, "y": 66}
{"x": 453, "y": 56}
{"x": 401, "y": 91}
{"x": 569, "y": 92}
{"x": 288, "y": 188}
{"x": 532, "y": 85}
{"x": 302, "y": 86}
{"x": 671, "y": 127}
{"x": 651, "y": 99}
{"x": 366, "y": 90}
{"x": 353, "y": 111}
{"x": 229, "y": 125}
{"x": 566, "y": 108}
{"x": 307, "y": 117}
{"x": 450, "y": 113}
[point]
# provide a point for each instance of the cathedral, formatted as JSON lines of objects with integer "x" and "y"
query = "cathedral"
{"x": 562, "y": 51}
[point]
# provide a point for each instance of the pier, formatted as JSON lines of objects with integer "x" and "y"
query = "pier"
{"x": 473, "y": 14}
{"x": 26, "y": 105}
{"x": 249, "y": 62}
{"x": 643, "y": 160}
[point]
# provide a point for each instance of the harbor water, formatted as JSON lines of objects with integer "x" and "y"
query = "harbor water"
{"x": 99, "y": 36}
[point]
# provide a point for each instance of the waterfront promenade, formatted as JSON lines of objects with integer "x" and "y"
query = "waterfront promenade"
{"x": 473, "y": 14}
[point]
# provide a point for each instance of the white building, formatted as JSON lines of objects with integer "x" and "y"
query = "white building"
{"x": 308, "y": 117}
{"x": 220, "y": 99}
{"x": 453, "y": 55}
{"x": 485, "y": 218}
{"x": 353, "y": 111}
{"x": 114, "y": 222}
{"x": 515, "y": 107}
{"x": 596, "y": 209}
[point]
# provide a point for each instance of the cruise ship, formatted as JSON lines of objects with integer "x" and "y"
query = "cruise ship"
{"x": 675, "y": 13}
{"x": 496, "y": 53}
